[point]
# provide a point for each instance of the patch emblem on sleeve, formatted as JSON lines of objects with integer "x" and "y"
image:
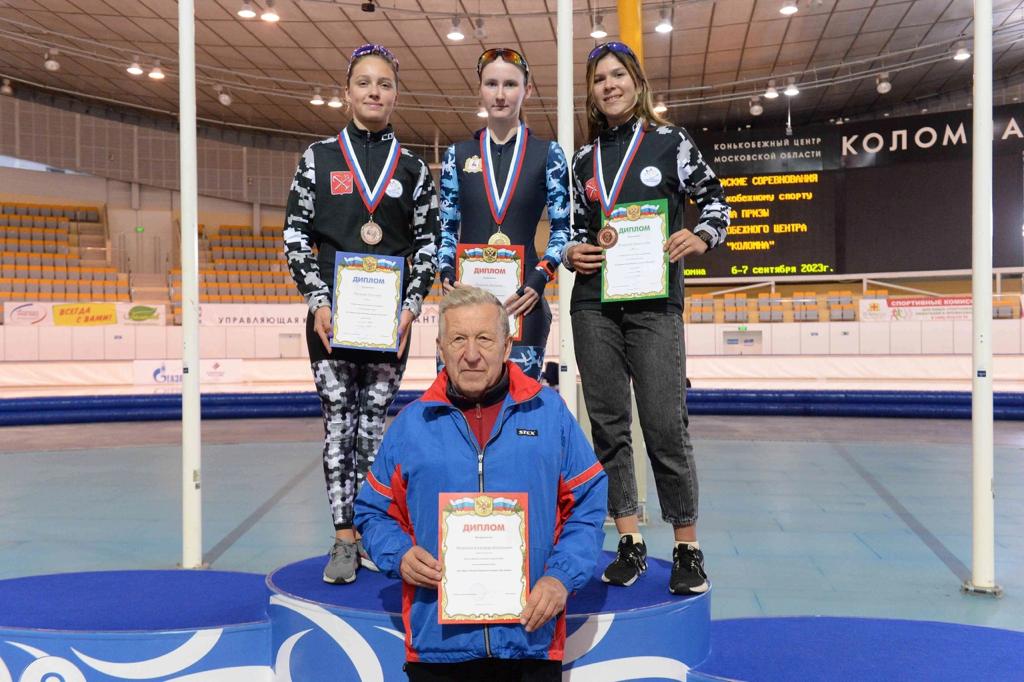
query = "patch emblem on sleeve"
{"x": 527, "y": 432}
{"x": 591, "y": 189}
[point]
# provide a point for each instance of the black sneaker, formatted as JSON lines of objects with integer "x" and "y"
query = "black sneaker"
{"x": 630, "y": 563}
{"x": 688, "y": 575}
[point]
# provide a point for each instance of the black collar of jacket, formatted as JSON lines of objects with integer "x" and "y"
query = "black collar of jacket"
{"x": 495, "y": 394}
{"x": 357, "y": 133}
{"x": 624, "y": 131}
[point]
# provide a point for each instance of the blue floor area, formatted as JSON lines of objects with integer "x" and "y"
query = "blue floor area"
{"x": 861, "y": 650}
{"x": 133, "y": 600}
{"x": 791, "y": 524}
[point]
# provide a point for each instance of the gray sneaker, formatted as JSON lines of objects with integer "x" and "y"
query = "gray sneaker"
{"x": 342, "y": 563}
{"x": 364, "y": 559}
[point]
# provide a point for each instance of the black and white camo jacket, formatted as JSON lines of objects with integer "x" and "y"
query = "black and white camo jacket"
{"x": 667, "y": 165}
{"x": 326, "y": 210}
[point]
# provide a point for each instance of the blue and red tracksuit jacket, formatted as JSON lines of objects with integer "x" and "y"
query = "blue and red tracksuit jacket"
{"x": 536, "y": 447}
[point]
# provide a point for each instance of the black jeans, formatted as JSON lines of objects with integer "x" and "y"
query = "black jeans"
{"x": 613, "y": 347}
{"x": 487, "y": 670}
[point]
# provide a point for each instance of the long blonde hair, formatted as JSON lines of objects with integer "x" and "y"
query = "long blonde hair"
{"x": 644, "y": 107}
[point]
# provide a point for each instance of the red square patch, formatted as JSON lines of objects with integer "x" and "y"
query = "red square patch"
{"x": 590, "y": 188}
{"x": 341, "y": 182}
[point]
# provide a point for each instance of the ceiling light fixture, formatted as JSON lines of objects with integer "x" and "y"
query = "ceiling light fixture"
{"x": 156, "y": 73}
{"x": 135, "y": 68}
{"x": 222, "y": 96}
{"x": 665, "y": 23}
{"x": 270, "y": 14}
{"x": 6, "y": 88}
{"x": 50, "y": 62}
{"x": 770, "y": 92}
{"x": 335, "y": 102}
{"x": 481, "y": 113}
{"x": 961, "y": 53}
{"x": 791, "y": 89}
{"x": 756, "y": 108}
{"x": 454, "y": 32}
{"x": 317, "y": 100}
{"x": 480, "y": 32}
{"x": 660, "y": 107}
{"x": 246, "y": 11}
{"x": 789, "y": 8}
{"x": 882, "y": 84}
{"x": 597, "y": 30}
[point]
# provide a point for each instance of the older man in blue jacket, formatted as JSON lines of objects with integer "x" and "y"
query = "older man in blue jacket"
{"x": 484, "y": 426}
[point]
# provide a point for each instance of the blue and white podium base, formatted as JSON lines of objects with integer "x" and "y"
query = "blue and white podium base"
{"x": 171, "y": 626}
{"x": 325, "y": 632}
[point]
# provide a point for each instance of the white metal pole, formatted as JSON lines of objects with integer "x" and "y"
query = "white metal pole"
{"x": 191, "y": 456}
{"x": 983, "y": 544}
{"x": 567, "y": 352}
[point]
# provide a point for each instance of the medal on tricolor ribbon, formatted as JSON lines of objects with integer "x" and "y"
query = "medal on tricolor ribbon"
{"x": 371, "y": 232}
{"x": 500, "y": 201}
{"x": 607, "y": 237}
{"x": 608, "y": 196}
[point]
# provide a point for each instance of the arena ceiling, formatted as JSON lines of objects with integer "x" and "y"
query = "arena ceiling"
{"x": 720, "y": 53}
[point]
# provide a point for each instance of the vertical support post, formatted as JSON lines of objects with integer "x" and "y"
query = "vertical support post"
{"x": 567, "y": 370}
{"x": 983, "y": 517}
{"x": 631, "y": 26}
{"x": 191, "y": 456}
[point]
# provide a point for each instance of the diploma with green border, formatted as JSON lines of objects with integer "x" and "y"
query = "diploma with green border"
{"x": 635, "y": 267}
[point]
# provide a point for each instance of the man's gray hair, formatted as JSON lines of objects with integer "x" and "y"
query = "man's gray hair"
{"x": 466, "y": 295}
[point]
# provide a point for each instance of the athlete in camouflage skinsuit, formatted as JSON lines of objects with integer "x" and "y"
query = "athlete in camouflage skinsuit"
{"x": 326, "y": 210}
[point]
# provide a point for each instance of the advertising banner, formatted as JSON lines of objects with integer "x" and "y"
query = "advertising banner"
{"x": 253, "y": 315}
{"x": 82, "y": 314}
{"x": 169, "y": 372}
{"x": 915, "y": 308}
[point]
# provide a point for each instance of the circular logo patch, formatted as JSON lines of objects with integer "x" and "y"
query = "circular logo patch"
{"x": 650, "y": 176}
{"x": 591, "y": 189}
{"x": 394, "y": 189}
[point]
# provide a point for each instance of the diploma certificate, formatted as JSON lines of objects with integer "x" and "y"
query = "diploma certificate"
{"x": 497, "y": 269}
{"x": 367, "y": 298}
{"x": 635, "y": 266}
{"x": 484, "y": 554}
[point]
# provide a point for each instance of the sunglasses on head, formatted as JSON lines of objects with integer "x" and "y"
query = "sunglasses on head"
{"x": 374, "y": 49}
{"x": 505, "y": 54}
{"x": 611, "y": 46}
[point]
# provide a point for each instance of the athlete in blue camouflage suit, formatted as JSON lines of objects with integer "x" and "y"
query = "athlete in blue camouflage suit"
{"x": 540, "y": 179}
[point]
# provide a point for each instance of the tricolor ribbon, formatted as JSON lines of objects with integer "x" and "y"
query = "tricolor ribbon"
{"x": 609, "y": 197}
{"x": 371, "y": 198}
{"x": 499, "y": 202}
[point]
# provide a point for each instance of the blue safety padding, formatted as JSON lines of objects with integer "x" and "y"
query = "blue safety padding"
{"x": 809, "y": 648}
{"x": 119, "y": 408}
{"x": 133, "y": 600}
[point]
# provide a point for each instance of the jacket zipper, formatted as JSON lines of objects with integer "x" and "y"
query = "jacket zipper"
{"x": 480, "y": 488}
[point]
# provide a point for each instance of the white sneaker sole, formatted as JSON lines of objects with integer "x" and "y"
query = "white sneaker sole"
{"x": 367, "y": 563}
{"x": 699, "y": 589}
{"x": 632, "y": 580}
{"x": 340, "y": 581}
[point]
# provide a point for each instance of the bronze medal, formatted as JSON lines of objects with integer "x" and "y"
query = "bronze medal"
{"x": 607, "y": 237}
{"x": 371, "y": 233}
{"x": 499, "y": 238}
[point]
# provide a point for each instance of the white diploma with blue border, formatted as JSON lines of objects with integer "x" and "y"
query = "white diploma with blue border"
{"x": 367, "y": 301}
{"x": 635, "y": 263}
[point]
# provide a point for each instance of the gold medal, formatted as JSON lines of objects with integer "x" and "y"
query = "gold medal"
{"x": 499, "y": 238}
{"x": 371, "y": 232}
{"x": 607, "y": 237}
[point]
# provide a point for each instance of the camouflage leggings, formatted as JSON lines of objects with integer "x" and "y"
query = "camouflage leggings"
{"x": 354, "y": 398}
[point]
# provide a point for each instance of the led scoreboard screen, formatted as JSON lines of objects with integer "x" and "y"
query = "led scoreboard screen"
{"x": 780, "y": 224}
